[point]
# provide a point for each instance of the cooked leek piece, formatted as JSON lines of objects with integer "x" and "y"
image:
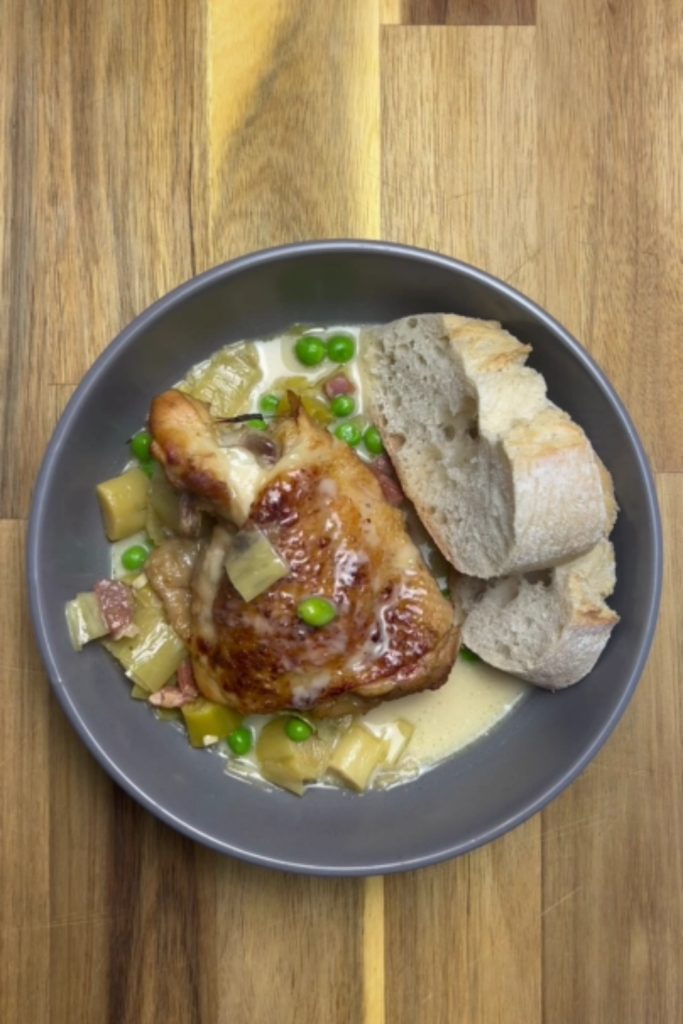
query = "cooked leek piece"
{"x": 289, "y": 764}
{"x": 225, "y": 382}
{"x": 151, "y": 656}
{"x": 137, "y": 692}
{"x": 123, "y": 503}
{"x": 252, "y": 564}
{"x": 154, "y": 527}
{"x": 156, "y": 657}
{"x": 317, "y": 408}
{"x": 167, "y": 714}
{"x": 118, "y": 569}
{"x": 148, "y": 611}
{"x": 397, "y": 736}
{"x": 207, "y": 723}
{"x": 280, "y": 773}
{"x": 164, "y": 501}
{"x": 311, "y": 398}
{"x": 357, "y": 756}
{"x": 84, "y": 620}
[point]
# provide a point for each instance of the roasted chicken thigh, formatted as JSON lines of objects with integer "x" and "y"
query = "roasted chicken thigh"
{"x": 322, "y": 512}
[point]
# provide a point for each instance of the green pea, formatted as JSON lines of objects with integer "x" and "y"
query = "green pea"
{"x": 310, "y": 350}
{"x": 269, "y": 404}
{"x": 316, "y": 611}
{"x": 446, "y": 593}
{"x": 258, "y": 425}
{"x": 140, "y": 446}
{"x": 134, "y": 558}
{"x": 341, "y": 348}
{"x": 373, "y": 441}
{"x": 147, "y": 467}
{"x": 349, "y": 433}
{"x": 467, "y": 655}
{"x": 343, "y": 405}
{"x": 298, "y": 730}
{"x": 240, "y": 741}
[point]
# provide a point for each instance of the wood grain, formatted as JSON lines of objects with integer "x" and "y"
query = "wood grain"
{"x": 459, "y": 162}
{"x": 463, "y": 937}
{"x": 145, "y": 142}
{"x": 25, "y": 883}
{"x": 610, "y": 132}
{"x": 294, "y": 122}
{"x": 278, "y": 944}
{"x": 613, "y": 845}
{"x": 459, "y": 12}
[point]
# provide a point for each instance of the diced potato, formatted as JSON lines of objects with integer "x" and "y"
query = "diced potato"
{"x": 123, "y": 503}
{"x": 226, "y": 381}
{"x": 164, "y": 501}
{"x": 289, "y": 764}
{"x": 357, "y": 756}
{"x": 253, "y": 565}
{"x": 207, "y": 723}
{"x": 84, "y": 620}
{"x": 157, "y": 657}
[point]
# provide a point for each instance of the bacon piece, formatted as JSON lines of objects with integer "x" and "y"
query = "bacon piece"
{"x": 170, "y": 697}
{"x": 117, "y": 606}
{"x": 391, "y": 489}
{"x": 338, "y": 385}
{"x": 185, "y": 692}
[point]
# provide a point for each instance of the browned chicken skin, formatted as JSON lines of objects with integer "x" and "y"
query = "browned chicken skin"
{"x": 323, "y": 511}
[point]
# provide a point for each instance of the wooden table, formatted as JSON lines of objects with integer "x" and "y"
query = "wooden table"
{"x": 146, "y": 141}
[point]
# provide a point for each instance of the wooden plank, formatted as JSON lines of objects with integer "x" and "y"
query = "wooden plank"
{"x": 613, "y": 845}
{"x": 459, "y": 12}
{"x": 24, "y": 419}
{"x": 374, "y": 945}
{"x": 274, "y": 944}
{"x": 84, "y": 905}
{"x": 294, "y": 122}
{"x": 25, "y": 934}
{"x": 610, "y": 184}
{"x": 459, "y": 145}
{"x": 101, "y": 181}
{"x": 463, "y": 940}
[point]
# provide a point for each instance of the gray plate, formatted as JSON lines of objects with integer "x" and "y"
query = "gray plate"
{"x": 491, "y": 787}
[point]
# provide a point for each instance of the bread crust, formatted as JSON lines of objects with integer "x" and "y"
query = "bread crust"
{"x": 573, "y": 622}
{"x": 532, "y": 492}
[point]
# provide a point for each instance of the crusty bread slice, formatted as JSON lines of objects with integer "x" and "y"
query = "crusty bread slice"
{"x": 503, "y": 480}
{"x": 549, "y": 630}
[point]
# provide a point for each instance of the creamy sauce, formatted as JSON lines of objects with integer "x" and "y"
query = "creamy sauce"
{"x": 473, "y": 700}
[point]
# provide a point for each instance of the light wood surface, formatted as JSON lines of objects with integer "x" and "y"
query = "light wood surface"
{"x": 145, "y": 142}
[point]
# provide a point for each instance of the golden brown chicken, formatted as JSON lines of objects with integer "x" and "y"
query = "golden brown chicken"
{"x": 322, "y": 511}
